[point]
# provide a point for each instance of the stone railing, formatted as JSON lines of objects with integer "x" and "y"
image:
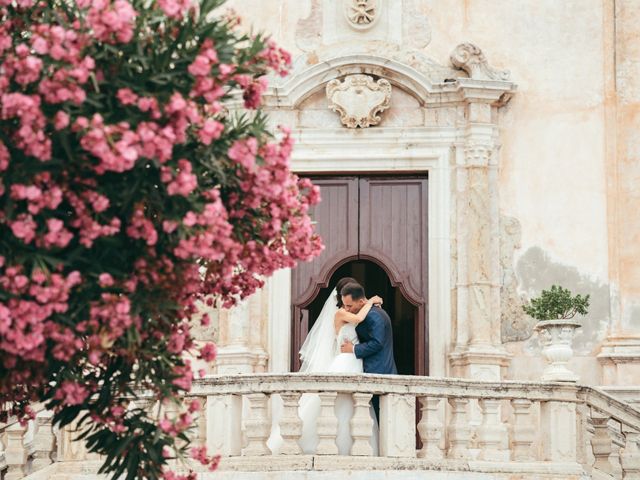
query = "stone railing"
{"x": 553, "y": 429}
{"x": 504, "y": 429}
{"x": 25, "y": 449}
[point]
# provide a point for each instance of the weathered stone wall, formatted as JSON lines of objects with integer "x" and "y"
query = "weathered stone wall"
{"x": 568, "y": 164}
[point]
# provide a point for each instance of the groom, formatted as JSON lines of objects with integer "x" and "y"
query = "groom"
{"x": 375, "y": 335}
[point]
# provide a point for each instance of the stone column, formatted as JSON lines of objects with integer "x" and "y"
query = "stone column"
{"x": 620, "y": 355}
{"x": 478, "y": 352}
{"x": 242, "y": 336}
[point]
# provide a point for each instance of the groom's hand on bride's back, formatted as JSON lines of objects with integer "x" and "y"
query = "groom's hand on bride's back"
{"x": 347, "y": 347}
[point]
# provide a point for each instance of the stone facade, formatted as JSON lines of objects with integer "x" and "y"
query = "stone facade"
{"x": 535, "y": 125}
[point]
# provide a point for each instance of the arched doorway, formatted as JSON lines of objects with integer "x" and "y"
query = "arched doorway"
{"x": 403, "y": 314}
{"x": 375, "y": 230}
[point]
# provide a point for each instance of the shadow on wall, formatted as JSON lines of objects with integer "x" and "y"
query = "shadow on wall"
{"x": 535, "y": 271}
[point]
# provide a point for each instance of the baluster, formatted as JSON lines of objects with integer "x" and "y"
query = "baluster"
{"x": 44, "y": 442}
{"x": 522, "y": 430}
{"x": 430, "y": 428}
{"x": 361, "y": 425}
{"x": 491, "y": 431}
{"x": 15, "y": 452}
{"x": 601, "y": 442}
{"x": 630, "y": 456}
{"x": 327, "y": 424}
{"x": 458, "y": 430}
{"x": 257, "y": 425}
{"x": 290, "y": 424}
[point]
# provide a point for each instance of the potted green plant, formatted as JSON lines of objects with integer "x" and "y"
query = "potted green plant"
{"x": 555, "y": 309}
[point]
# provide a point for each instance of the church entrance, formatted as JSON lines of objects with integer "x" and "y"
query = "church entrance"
{"x": 374, "y": 229}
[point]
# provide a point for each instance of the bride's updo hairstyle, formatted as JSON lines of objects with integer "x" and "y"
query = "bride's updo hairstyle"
{"x": 339, "y": 286}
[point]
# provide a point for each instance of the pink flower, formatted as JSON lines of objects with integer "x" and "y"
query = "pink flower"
{"x": 208, "y": 352}
{"x": 127, "y": 97}
{"x": 169, "y": 226}
{"x": 244, "y": 152}
{"x": 194, "y": 406}
{"x": 105, "y": 280}
{"x": 142, "y": 228}
{"x": 253, "y": 89}
{"x": 201, "y": 66}
{"x": 112, "y": 21}
{"x": 277, "y": 58}
{"x": 58, "y": 236}
{"x": 60, "y": 120}
{"x": 4, "y": 157}
{"x": 185, "y": 182}
{"x": 24, "y": 228}
{"x": 174, "y": 8}
{"x": 71, "y": 393}
{"x": 211, "y": 130}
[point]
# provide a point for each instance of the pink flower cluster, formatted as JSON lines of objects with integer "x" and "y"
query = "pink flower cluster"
{"x": 71, "y": 393}
{"x": 85, "y": 206}
{"x": 225, "y": 213}
{"x": 109, "y": 319}
{"x": 30, "y": 137}
{"x": 175, "y": 8}
{"x": 253, "y": 89}
{"x": 201, "y": 66}
{"x": 277, "y": 58}
{"x": 116, "y": 146}
{"x": 43, "y": 193}
{"x": 183, "y": 183}
{"x": 200, "y": 454}
{"x": 23, "y": 67}
{"x": 112, "y": 21}
{"x": 26, "y": 318}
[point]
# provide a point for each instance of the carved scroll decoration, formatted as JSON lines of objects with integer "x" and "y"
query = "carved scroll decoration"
{"x": 470, "y": 58}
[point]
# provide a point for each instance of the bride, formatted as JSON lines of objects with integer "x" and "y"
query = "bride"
{"x": 320, "y": 353}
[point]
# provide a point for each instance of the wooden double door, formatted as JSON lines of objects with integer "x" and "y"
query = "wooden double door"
{"x": 374, "y": 229}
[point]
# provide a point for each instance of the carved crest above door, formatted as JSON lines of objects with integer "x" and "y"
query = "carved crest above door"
{"x": 359, "y": 99}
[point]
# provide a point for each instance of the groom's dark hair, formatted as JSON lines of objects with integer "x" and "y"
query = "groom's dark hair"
{"x": 339, "y": 286}
{"x": 354, "y": 289}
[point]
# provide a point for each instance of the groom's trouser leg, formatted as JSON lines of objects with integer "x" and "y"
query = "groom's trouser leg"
{"x": 375, "y": 401}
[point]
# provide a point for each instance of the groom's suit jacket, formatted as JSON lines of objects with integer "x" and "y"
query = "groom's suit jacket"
{"x": 376, "y": 343}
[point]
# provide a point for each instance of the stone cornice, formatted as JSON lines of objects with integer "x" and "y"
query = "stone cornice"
{"x": 459, "y": 90}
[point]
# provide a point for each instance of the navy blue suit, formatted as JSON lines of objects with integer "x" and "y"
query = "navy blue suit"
{"x": 376, "y": 347}
{"x": 376, "y": 343}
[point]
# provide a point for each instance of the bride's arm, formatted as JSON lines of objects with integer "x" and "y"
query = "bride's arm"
{"x": 342, "y": 316}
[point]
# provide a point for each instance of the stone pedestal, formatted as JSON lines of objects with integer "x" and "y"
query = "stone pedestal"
{"x": 242, "y": 336}
{"x": 620, "y": 360}
{"x": 398, "y": 426}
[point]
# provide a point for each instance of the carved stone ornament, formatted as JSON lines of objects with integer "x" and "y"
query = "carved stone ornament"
{"x": 361, "y": 14}
{"x": 359, "y": 99}
{"x": 470, "y": 58}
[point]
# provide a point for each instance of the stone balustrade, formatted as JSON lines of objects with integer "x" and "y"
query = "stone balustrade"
{"x": 25, "y": 449}
{"x": 425, "y": 423}
{"x": 500, "y": 429}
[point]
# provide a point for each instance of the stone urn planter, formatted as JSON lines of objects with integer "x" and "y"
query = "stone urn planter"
{"x": 556, "y": 338}
{"x": 554, "y": 309}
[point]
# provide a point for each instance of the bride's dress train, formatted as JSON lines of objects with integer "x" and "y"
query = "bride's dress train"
{"x": 309, "y": 407}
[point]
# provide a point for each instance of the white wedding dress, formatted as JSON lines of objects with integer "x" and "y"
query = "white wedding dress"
{"x": 309, "y": 407}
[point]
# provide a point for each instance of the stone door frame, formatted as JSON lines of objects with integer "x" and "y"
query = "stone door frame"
{"x": 397, "y": 150}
